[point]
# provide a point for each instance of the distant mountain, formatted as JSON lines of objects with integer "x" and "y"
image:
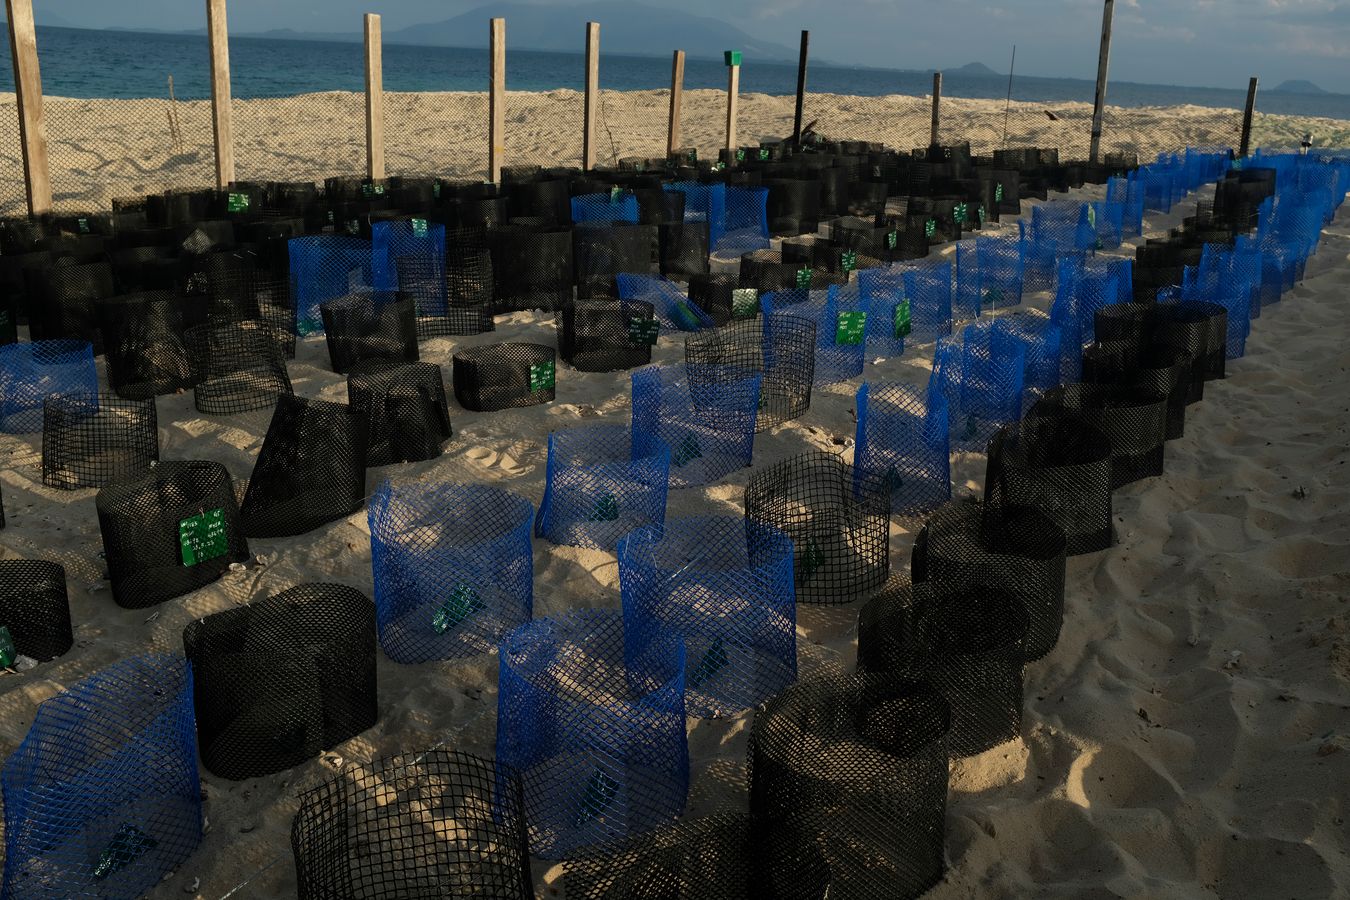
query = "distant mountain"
{"x": 626, "y": 28}
{"x": 975, "y": 68}
{"x": 1300, "y": 87}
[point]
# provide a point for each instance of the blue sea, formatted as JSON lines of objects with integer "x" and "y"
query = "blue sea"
{"x": 119, "y": 64}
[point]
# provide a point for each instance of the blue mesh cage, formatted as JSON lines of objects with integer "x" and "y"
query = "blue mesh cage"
{"x": 709, "y": 425}
{"x": 1084, "y": 286}
{"x": 595, "y": 727}
{"x": 903, "y": 437}
{"x": 704, "y": 203}
{"x": 1106, "y": 222}
{"x": 891, "y": 318}
{"x": 102, "y": 797}
{"x": 603, "y": 481}
{"x": 325, "y": 267}
{"x": 1057, "y": 228}
{"x": 621, "y": 206}
{"x": 926, "y": 285}
{"x": 1043, "y": 348}
{"x": 672, "y": 306}
{"x": 1216, "y": 281}
{"x": 453, "y": 567}
{"x": 989, "y": 273}
{"x": 981, "y": 374}
{"x": 723, "y": 585}
{"x": 746, "y": 226}
{"x": 391, "y": 239}
{"x": 841, "y": 328}
{"x": 966, "y": 298}
{"x": 30, "y": 373}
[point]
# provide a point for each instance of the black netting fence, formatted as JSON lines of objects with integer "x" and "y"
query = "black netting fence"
{"x": 1200, "y": 329}
{"x": 144, "y": 345}
{"x": 725, "y": 586}
{"x": 505, "y": 376}
{"x": 34, "y": 609}
{"x": 407, "y": 407}
{"x": 607, "y": 335}
{"x": 780, "y": 351}
{"x": 240, "y": 367}
{"x": 531, "y": 266}
{"x": 1133, "y": 418}
{"x": 719, "y": 295}
{"x": 68, "y": 295}
{"x": 838, "y": 520}
{"x": 30, "y": 373}
{"x": 903, "y": 441}
{"x": 364, "y": 328}
{"x": 311, "y": 468}
{"x": 435, "y": 824}
{"x": 840, "y": 324}
{"x": 279, "y": 680}
{"x": 708, "y": 425}
{"x": 1151, "y": 370}
{"x": 90, "y": 439}
{"x": 603, "y": 251}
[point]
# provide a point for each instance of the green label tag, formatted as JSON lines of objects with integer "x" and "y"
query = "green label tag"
{"x": 684, "y": 316}
{"x": 803, "y": 278}
{"x": 848, "y": 331}
{"x": 643, "y": 331}
{"x": 600, "y": 793}
{"x": 712, "y": 662}
{"x": 903, "y": 326}
{"x": 615, "y": 194}
{"x": 740, "y": 155}
{"x": 744, "y": 303}
{"x": 959, "y": 212}
{"x": 436, "y": 190}
{"x": 83, "y": 224}
{"x": 237, "y": 202}
{"x": 719, "y": 166}
{"x": 763, "y": 154}
{"x": 419, "y": 227}
{"x": 372, "y": 189}
{"x": 332, "y": 217}
{"x": 998, "y": 192}
{"x": 930, "y": 228}
{"x": 982, "y": 213}
{"x": 1092, "y": 215}
{"x": 688, "y": 451}
{"x": 7, "y": 651}
{"x": 606, "y": 509}
{"x": 892, "y": 240}
{"x": 203, "y": 537}
{"x": 893, "y": 482}
{"x": 128, "y": 844}
{"x": 462, "y": 603}
{"x": 732, "y": 57}
{"x": 993, "y": 297}
{"x": 543, "y": 376}
{"x": 848, "y": 261}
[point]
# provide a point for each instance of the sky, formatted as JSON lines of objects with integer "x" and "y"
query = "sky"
{"x": 1213, "y": 43}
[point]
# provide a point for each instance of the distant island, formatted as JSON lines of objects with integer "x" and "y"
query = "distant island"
{"x": 975, "y": 68}
{"x": 1300, "y": 87}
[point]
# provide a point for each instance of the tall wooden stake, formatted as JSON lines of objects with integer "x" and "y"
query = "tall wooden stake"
{"x": 28, "y": 90}
{"x": 496, "y": 98}
{"x": 222, "y": 122}
{"x": 937, "y": 113}
{"x": 733, "y": 60}
{"x": 592, "y": 95}
{"x": 676, "y": 102}
{"x": 374, "y": 99}
{"x": 1103, "y": 63}
{"x": 1247, "y": 118}
{"x": 801, "y": 91}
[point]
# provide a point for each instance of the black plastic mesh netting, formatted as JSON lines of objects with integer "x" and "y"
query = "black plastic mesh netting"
{"x": 240, "y": 367}
{"x": 1133, "y": 419}
{"x": 310, "y": 470}
{"x": 709, "y": 858}
{"x": 601, "y": 252}
{"x": 277, "y": 681}
{"x": 144, "y": 345}
{"x": 607, "y": 335}
{"x": 169, "y": 532}
{"x": 848, "y": 789}
{"x": 68, "y": 294}
{"x": 34, "y": 607}
{"x": 438, "y": 824}
{"x": 408, "y": 409}
{"x": 1020, "y": 551}
{"x": 1059, "y": 465}
{"x": 966, "y": 640}
{"x": 716, "y": 294}
{"x": 453, "y": 294}
{"x": 837, "y": 517}
{"x": 90, "y": 439}
{"x": 531, "y": 267}
{"x": 240, "y": 287}
{"x": 369, "y": 327}
{"x": 684, "y": 248}
{"x": 1154, "y": 370}
{"x": 505, "y": 376}
{"x": 780, "y": 349}
{"x": 1200, "y": 329}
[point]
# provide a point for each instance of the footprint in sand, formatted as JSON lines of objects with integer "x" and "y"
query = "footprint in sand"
{"x": 505, "y": 462}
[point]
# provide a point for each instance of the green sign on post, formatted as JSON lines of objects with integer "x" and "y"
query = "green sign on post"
{"x": 237, "y": 202}
{"x": 606, "y": 509}
{"x": 462, "y": 603}
{"x": 848, "y": 261}
{"x": 998, "y": 192}
{"x": 7, "y": 652}
{"x": 849, "y": 329}
{"x": 903, "y": 325}
{"x": 892, "y": 240}
{"x": 615, "y": 194}
{"x": 203, "y": 537}
{"x": 83, "y": 224}
{"x": 543, "y": 376}
{"x": 740, "y": 154}
{"x": 763, "y": 154}
{"x": 733, "y": 57}
{"x": 959, "y": 212}
{"x": 419, "y": 228}
{"x": 744, "y": 303}
{"x": 803, "y": 278}
{"x": 643, "y": 331}
{"x": 930, "y": 228}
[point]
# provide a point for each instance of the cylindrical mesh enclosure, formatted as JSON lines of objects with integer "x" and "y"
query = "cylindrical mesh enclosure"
{"x": 531, "y": 267}
{"x": 607, "y": 335}
{"x": 34, "y": 607}
{"x": 325, "y": 267}
{"x": 913, "y": 298}
{"x": 718, "y": 295}
{"x": 1133, "y": 419}
{"x": 848, "y": 789}
{"x": 407, "y": 407}
{"x": 30, "y": 373}
{"x": 90, "y": 439}
{"x": 68, "y": 295}
{"x": 1203, "y": 326}
{"x": 1019, "y": 551}
{"x": 838, "y": 520}
{"x": 310, "y": 470}
{"x": 369, "y": 328}
{"x": 706, "y": 858}
{"x": 277, "y": 681}
{"x": 603, "y": 481}
{"x": 1153, "y": 370}
{"x": 966, "y": 640}
{"x": 779, "y": 350}
{"x": 453, "y": 566}
{"x": 670, "y": 304}
{"x": 840, "y": 321}
{"x": 169, "y": 532}
{"x": 982, "y": 374}
{"x": 597, "y": 733}
{"x": 903, "y": 441}
{"x": 144, "y": 346}
{"x": 684, "y": 249}
{"x": 434, "y": 824}
{"x": 724, "y": 586}
{"x": 505, "y": 376}
{"x": 709, "y": 426}
{"x": 240, "y": 367}
{"x": 102, "y": 797}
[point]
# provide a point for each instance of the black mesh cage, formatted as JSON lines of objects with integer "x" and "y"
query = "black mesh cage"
{"x": 601, "y": 251}
{"x": 369, "y": 327}
{"x": 240, "y": 287}
{"x": 240, "y": 367}
{"x": 277, "y": 681}
{"x": 708, "y": 858}
{"x": 848, "y": 789}
{"x": 1133, "y": 419}
{"x": 169, "y": 532}
{"x": 793, "y": 206}
{"x": 1017, "y": 550}
{"x": 68, "y": 294}
{"x": 34, "y": 608}
{"x": 607, "y": 335}
{"x": 781, "y": 349}
{"x": 452, "y": 296}
{"x": 966, "y": 640}
{"x": 531, "y": 267}
{"x": 504, "y": 376}
{"x": 310, "y": 470}
{"x": 1153, "y": 370}
{"x": 684, "y": 247}
{"x": 144, "y": 345}
{"x": 837, "y": 517}
{"x": 715, "y": 294}
{"x": 1198, "y": 328}
{"x": 1060, "y": 466}
{"x": 438, "y": 824}
{"x": 408, "y": 410}
{"x": 90, "y": 439}
{"x": 1129, "y": 322}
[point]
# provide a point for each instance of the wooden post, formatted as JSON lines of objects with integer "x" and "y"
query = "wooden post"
{"x": 1247, "y": 118}
{"x": 28, "y": 90}
{"x": 733, "y": 60}
{"x": 1103, "y": 62}
{"x": 676, "y": 102}
{"x": 592, "y": 95}
{"x": 801, "y": 91}
{"x": 496, "y": 98}
{"x": 937, "y": 116}
{"x": 374, "y": 99}
{"x": 222, "y": 123}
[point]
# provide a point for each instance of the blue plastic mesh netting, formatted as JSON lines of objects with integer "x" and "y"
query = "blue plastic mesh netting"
{"x": 989, "y": 274}
{"x": 1042, "y": 341}
{"x": 709, "y": 426}
{"x": 1128, "y": 192}
{"x": 673, "y": 307}
{"x": 1057, "y": 228}
{"x": 903, "y": 439}
{"x": 981, "y": 373}
{"x": 325, "y": 267}
{"x": 603, "y": 482}
{"x": 392, "y": 239}
{"x": 453, "y": 567}
{"x": 1082, "y": 290}
{"x": 1106, "y": 224}
{"x": 1230, "y": 277}
{"x": 925, "y": 284}
{"x": 102, "y": 797}
{"x": 723, "y": 585}
{"x": 619, "y": 206}
{"x": 840, "y": 318}
{"x": 704, "y": 203}
{"x": 746, "y": 226}
{"x": 595, "y": 728}
{"x": 29, "y": 373}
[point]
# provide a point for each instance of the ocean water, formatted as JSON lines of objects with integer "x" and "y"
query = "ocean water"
{"x": 86, "y": 64}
